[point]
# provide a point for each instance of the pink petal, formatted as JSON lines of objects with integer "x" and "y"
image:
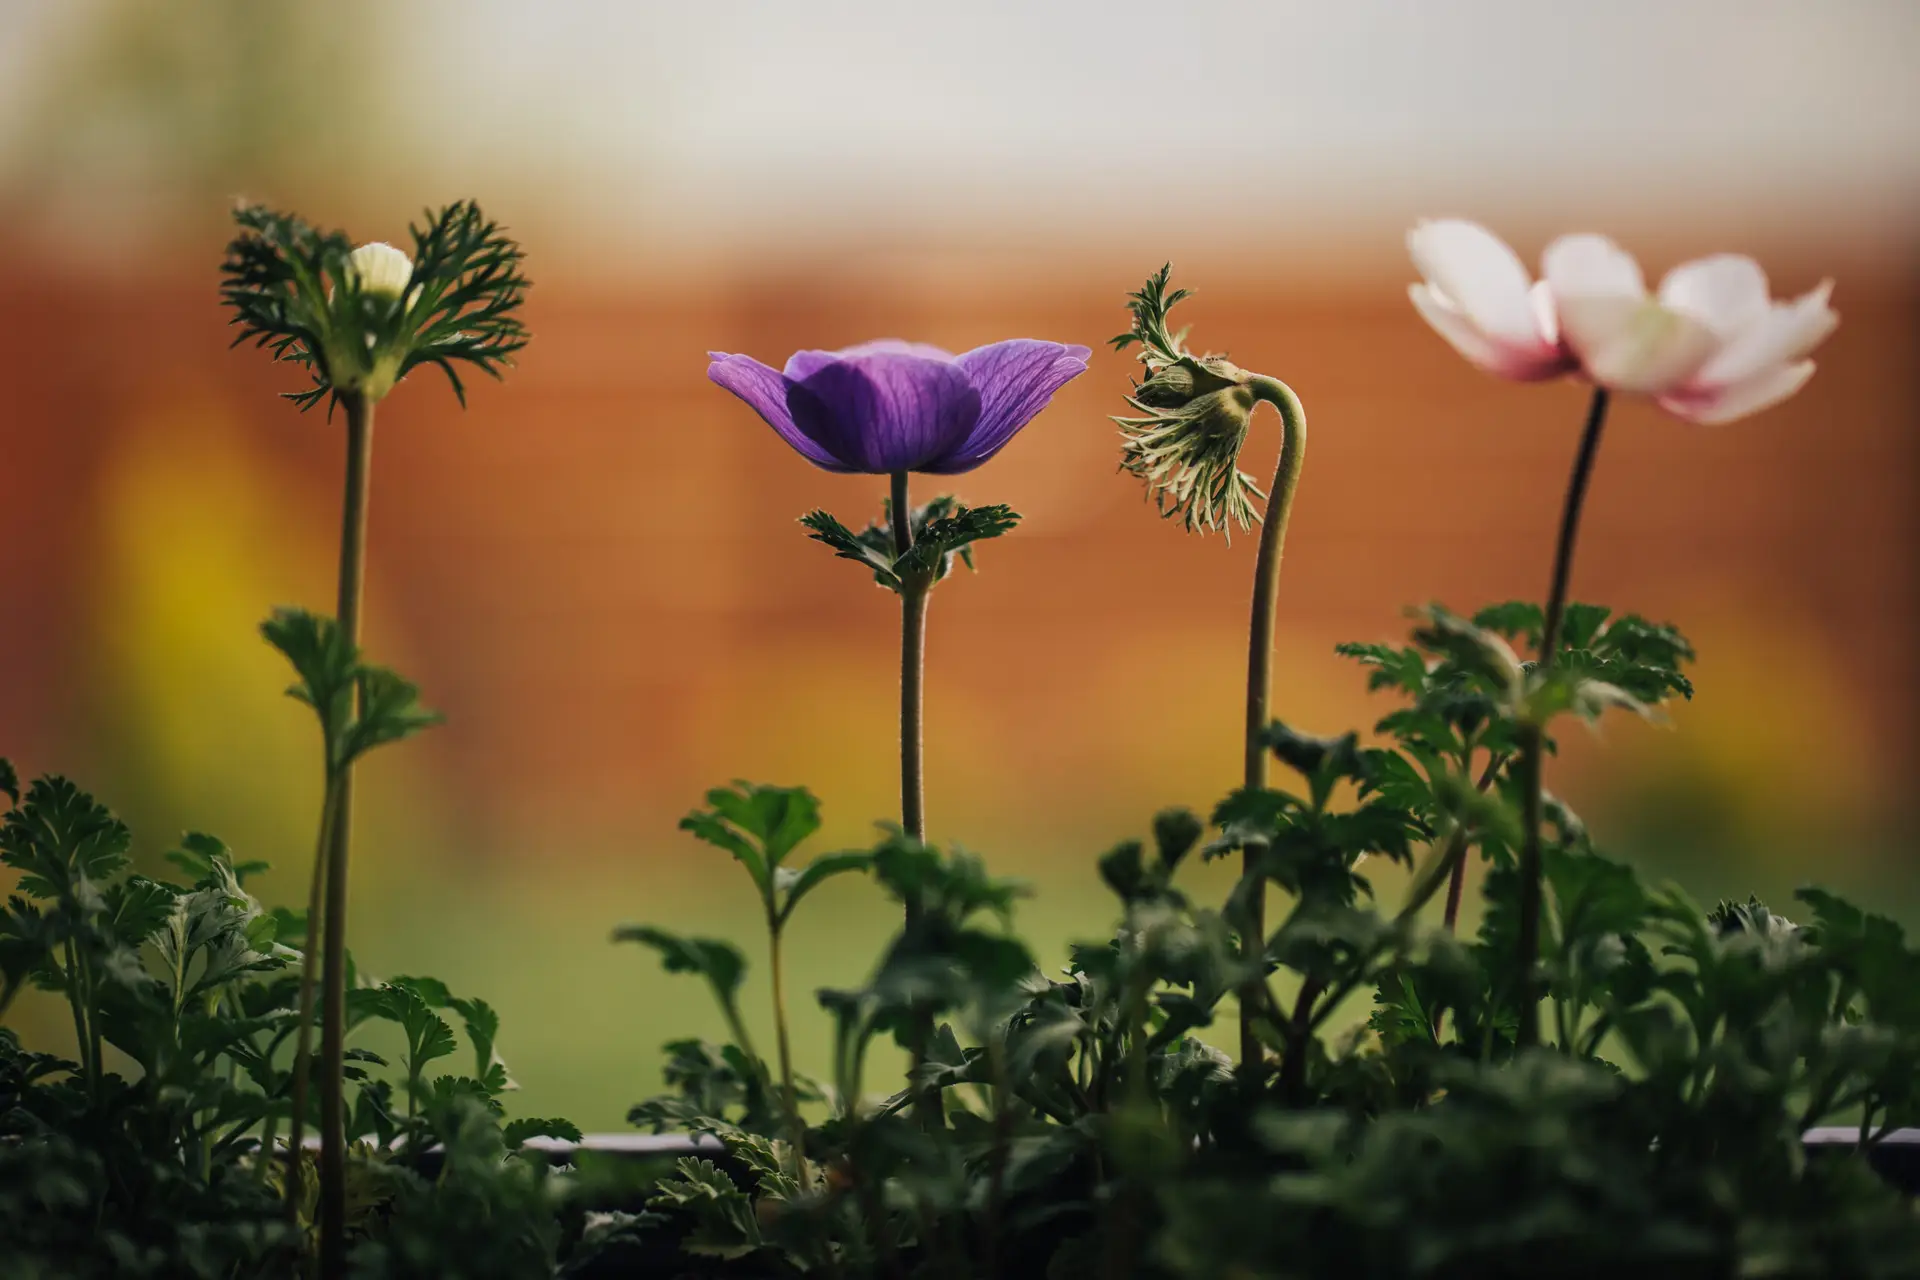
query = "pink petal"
{"x": 1727, "y": 292}
{"x": 1591, "y": 266}
{"x": 1478, "y": 273}
{"x": 1545, "y": 315}
{"x": 1724, "y": 404}
{"x": 1526, "y": 361}
{"x": 1785, "y": 333}
{"x": 1633, "y": 344}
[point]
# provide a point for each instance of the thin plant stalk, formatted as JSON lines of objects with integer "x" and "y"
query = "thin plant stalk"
{"x": 796, "y": 1130}
{"x": 1266, "y": 589}
{"x": 303, "y": 1039}
{"x": 353, "y": 570}
{"x": 914, "y": 591}
{"x": 76, "y": 997}
{"x": 1457, "y": 849}
{"x": 1531, "y": 739}
{"x": 998, "y": 1157}
{"x": 913, "y": 655}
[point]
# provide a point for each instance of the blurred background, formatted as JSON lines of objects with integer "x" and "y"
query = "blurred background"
{"x": 595, "y": 571}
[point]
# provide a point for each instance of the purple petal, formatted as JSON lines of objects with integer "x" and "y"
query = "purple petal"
{"x": 770, "y": 394}
{"x": 804, "y": 364}
{"x": 886, "y": 410}
{"x": 1015, "y": 379}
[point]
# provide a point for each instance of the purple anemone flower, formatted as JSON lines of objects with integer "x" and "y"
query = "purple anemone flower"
{"x": 892, "y": 406}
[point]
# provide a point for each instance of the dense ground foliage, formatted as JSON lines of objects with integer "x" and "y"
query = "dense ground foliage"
{"x": 1059, "y": 1125}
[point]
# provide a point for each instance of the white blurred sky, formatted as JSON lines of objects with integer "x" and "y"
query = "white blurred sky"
{"x": 775, "y": 118}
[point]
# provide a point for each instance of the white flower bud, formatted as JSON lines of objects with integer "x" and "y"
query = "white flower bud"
{"x": 380, "y": 270}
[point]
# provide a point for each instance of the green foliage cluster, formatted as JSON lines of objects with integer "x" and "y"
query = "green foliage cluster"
{"x": 154, "y": 1154}
{"x": 1085, "y": 1128}
{"x": 1055, "y": 1125}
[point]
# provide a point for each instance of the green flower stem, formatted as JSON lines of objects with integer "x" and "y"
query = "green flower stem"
{"x": 309, "y": 963}
{"x": 913, "y": 656}
{"x": 913, "y": 661}
{"x": 1531, "y": 736}
{"x": 796, "y": 1130}
{"x": 76, "y": 997}
{"x": 998, "y": 1156}
{"x": 1457, "y": 848}
{"x": 333, "y": 1038}
{"x": 1266, "y": 587}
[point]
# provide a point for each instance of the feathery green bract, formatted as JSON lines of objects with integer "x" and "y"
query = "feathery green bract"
{"x": 292, "y": 292}
{"x": 1149, "y": 305}
{"x": 942, "y": 530}
{"x": 1190, "y": 422}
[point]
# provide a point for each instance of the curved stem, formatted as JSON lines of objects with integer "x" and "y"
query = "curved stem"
{"x": 303, "y": 1042}
{"x": 1532, "y": 742}
{"x": 333, "y": 1017}
{"x": 1266, "y": 587}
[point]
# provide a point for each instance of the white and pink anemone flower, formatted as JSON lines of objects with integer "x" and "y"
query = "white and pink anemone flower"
{"x": 1710, "y": 347}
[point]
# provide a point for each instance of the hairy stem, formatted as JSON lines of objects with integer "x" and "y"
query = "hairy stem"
{"x": 303, "y": 1038}
{"x": 333, "y": 1016}
{"x": 913, "y": 661}
{"x": 1266, "y": 590}
{"x": 913, "y": 653}
{"x": 796, "y": 1130}
{"x": 1532, "y": 741}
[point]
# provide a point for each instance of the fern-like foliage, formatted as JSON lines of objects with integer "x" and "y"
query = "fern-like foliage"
{"x": 293, "y": 291}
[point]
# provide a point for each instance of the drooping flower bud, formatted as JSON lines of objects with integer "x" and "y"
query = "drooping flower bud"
{"x": 1194, "y": 412}
{"x": 1175, "y": 385}
{"x": 1188, "y": 453}
{"x": 379, "y": 270}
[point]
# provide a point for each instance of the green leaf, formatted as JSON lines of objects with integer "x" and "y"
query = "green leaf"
{"x": 722, "y": 1216}
{"x": 471, "y": 289}
{"x": 198, "y": 852}
{"x": 860, "y": 548}
{"x": 483, "y": 1028}
{"x": 1478, "y": 651}
{"x": 758, "y": 825}
{"x": 1175, "y": 833}
{"x": 404, "y": 1001}
{"x": 797, "y": 885}
{"x": 274, "y": 279}
{"x": 1149, "y": 306}
{"x": 390, "y": 710}
{"x": 1123, "y": 867}
{"x": 136, "y": 909}
{"x": 63, "y": 842}
{"x": 942, "y": 530}
{"x": 9, "y": 780}
{"x": 517, "y": 1131}
{"x": 720, "y": 963}
{"x": 325, "y": 662}
{"x": 1394, "y": 667}
{"x": 945, "y": 535}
